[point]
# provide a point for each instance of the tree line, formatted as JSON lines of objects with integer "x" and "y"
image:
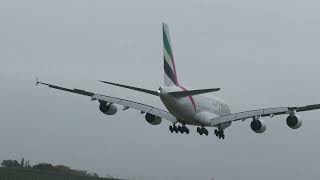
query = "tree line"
{"x": 46, "y": 167}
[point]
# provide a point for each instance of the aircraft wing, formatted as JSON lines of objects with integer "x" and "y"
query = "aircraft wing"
{"x": 261, "y": 113}
{"x": 126, "y": 103}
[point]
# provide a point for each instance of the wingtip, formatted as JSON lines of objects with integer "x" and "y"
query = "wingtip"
{"x": 106, "y": 82}
{"x": 37, "y": 81}
{"x": 103, "y": 81}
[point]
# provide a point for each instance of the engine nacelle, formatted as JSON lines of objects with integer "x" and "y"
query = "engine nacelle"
{"x": 108, "y": 109}
{"x": 258, "y": 126}
{"x": 152, "y": 119}
{"x": 294, "y": 121}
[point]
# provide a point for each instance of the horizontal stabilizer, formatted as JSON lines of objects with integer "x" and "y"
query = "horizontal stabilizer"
{"x": 133, "y": 88}
{"x": 193, "y": 92}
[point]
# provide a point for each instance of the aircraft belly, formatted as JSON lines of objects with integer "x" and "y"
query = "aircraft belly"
{"x": 183, "y": 112}
{"x": 198, "y": 113}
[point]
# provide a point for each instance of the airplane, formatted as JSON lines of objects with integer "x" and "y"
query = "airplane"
{"x": 188, "y": 107}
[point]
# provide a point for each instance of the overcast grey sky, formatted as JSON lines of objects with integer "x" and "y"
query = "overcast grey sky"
{"x": 260, "y": 53}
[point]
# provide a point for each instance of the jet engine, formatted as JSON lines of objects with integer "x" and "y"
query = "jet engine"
{"x": 152, "y": 119}
{"x": 108, "y": 108}
{"x": 258, "y": 126}
{"x": 294, "y": 121}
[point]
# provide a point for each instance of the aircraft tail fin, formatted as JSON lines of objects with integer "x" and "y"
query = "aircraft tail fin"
{"x": 170, "y": 74}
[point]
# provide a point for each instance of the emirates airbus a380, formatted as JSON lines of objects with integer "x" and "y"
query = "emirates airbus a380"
{"x": 188, "y": 107}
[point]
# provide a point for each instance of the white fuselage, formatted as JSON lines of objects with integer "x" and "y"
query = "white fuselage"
{"x": 193, "y": 110}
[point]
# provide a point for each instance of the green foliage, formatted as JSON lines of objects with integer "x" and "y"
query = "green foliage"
{"x": 22, "y": 162}
{"x": 34, "y": 174}
{"x": 11, "y": 163}
{"x": 13, "y": 170}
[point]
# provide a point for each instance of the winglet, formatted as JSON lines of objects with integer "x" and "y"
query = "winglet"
{"x": 37, "y": 81}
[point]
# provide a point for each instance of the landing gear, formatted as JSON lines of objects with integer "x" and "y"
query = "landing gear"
{"x": 179, "y": 129}
{"x": 219, "y": 133}
{"x": 173, "y": 129}
{"x": 202, "y": 130}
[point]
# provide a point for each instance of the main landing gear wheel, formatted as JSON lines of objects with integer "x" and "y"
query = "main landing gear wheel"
{"x": 179, "y": 129}
{"x": 219, "y": 133}
{"x": 202, "y": 130}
